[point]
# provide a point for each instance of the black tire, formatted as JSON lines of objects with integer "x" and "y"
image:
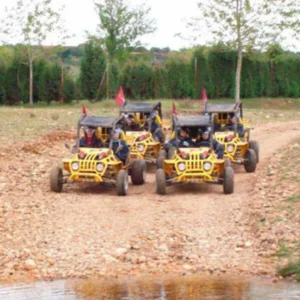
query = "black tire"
{"x": 122, "y": 183}
{"x": 160, "y": 159}
{"x": 162, "y": 153}
{"x": 56, "y": 179}
{"x": 227, "y": 162}
{"x": 250, "y": 161}
{"x": 160, "y": 163}
{"x": 138, "y": 172}
{"x": 160, "y": 182}
{"x": 255, "y": 146}
{"x": 228, "y": 182}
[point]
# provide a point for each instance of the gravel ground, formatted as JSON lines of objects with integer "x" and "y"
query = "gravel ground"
{"x": 87, "y": 231}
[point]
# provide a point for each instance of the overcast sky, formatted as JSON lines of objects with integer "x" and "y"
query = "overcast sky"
{"x": 80, "y": 17}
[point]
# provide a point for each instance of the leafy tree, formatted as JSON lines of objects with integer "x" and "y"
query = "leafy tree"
{"x": 120, "y": 28}
{"x": 92, "y": 70}
{"x": 29, "y": 23}
{"x": 247, "y": 24}
{"x": 136, "y": 80}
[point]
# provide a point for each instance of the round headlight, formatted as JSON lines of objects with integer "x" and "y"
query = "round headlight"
{"x": 181, "y": 167}
{"x": 75, "y": 166}
{"x": 230, "y": 148}
{"x": 207, "y": 166}
{"x": 141, "y": 148}
{"x": 99, "y": 167}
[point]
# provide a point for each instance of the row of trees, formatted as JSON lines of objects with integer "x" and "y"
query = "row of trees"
{"x": 274, "y": 73}
{"x": 52, "y": 81}
{"x": 241, "y": 25}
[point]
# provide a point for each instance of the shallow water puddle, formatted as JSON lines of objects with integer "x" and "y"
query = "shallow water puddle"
{"x": 186, "y": 287}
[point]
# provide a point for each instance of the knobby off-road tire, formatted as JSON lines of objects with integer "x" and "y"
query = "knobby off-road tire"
{"x": 255, "y": 146}
{"x": 138, "y": 172}
{"x": 160, "y": 182}
{"x": 227, "y": 162}
{"x": 56, "y": 179}
{"x": 162, "y": 153}
{"x": 250, "y": 161}
{"x": 228, "y": 182}
{"x": 122, "y": 183}
{"x": 160, "y": 159}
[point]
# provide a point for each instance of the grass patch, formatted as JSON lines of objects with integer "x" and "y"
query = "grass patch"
{"x": 283, "y": 250}
{"x": 253, "y": 103}
{"x": 292, "y": 268}
{"x": 23, "y": 123}
{"x": 293, "y": 198}
{"x": 286, "y": 207}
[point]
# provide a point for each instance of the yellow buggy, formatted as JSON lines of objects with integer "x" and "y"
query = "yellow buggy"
{"x": 235, "y": 138}
{"x": 193, "y": 164}
{"x": 146, "y": 140}
{"x": 98, "y": 164}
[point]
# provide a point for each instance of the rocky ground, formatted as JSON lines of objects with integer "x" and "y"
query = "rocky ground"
{"x": 89, "y": 231}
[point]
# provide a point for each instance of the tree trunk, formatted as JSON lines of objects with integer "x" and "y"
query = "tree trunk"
{"x": 238, "y": 74}
{"x": 107, "y": 80}
{"x": 18, "y": 84}
{"x": 31, "y": 82}
{"x": 196, "y": 77}
{"x": 240, "y": 52}
{"x": 62, "y": 85}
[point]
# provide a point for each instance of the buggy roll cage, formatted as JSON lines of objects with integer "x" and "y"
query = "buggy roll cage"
{"x": 237, "y": 107}
{"x": 141, "y": 107}
{"x": 95, "y": 122}
{"x": 193, "y": 121}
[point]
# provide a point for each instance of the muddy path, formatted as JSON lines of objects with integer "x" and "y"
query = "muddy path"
{"x": 89, "y": 231}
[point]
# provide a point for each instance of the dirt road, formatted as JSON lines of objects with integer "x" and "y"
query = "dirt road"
{"x": 89, "y": 231}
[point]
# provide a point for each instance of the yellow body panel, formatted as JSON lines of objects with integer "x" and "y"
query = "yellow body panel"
{"x": 194, "y": 166}
{"x": 142, "y": 140}
{"x": 87, "y": 163}
{"x": 238, "y": 147}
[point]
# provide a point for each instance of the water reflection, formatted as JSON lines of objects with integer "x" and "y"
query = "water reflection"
{"x": 185, "y": 288}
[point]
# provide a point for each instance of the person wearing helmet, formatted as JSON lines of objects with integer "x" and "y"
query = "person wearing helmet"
{"x": 183, "y": 139}
{"x": 204, "y": 141}
{"x": 234, "y": 120}
{"x": 130, "y": 124}
{"x": 119, "y": 147}
{"x": 89, "y": 139}
{"x": 156, "y": 128}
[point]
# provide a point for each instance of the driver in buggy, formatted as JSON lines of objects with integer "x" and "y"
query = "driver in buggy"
{"x": 89, "y": 139}
{"x": 130, "y": 124}
{"x": 183, "y": 140}
{"x": 204, "y": 141}
{"x": 233, "y": 119}
{"x": 156, "y": 128}
{"x": 119, "y": 147}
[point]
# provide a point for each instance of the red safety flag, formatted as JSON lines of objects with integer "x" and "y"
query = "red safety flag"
{"x": 204, "y": 95}
{"x": 174, "y": 109}
{"x": 84, "y": 112}
{"x": 120, "y": 98}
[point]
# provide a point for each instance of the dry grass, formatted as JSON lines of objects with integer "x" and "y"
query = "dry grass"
{"x": 25, "y": 123}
